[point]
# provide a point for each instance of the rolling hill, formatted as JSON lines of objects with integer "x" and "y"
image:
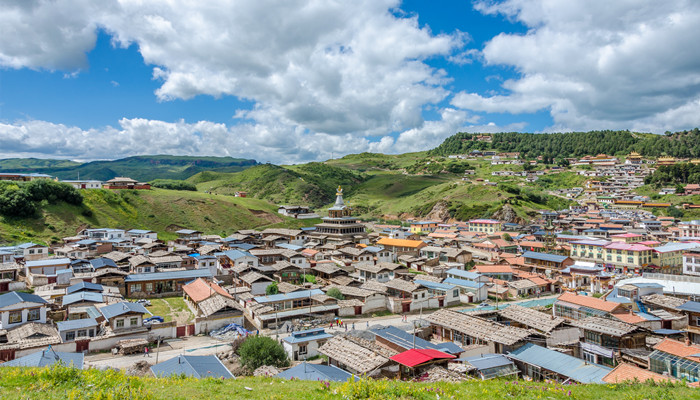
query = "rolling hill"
{"x": 163, "y": 211}
{"x": 141, "y": 168}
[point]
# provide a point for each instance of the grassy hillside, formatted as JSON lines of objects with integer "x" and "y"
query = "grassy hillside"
{"x": 34, "y": 164}
{"x": 311, "y": 184}
{"x": 142, "y": 168}
{"x": 164, "y": 211}
{"x": 386, "y": 187}
{"x": 63, "y": 383}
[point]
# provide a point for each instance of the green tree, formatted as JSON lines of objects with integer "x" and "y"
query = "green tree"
{"x": 257, "y": 351}
{"x": 507, "y": 237}
{"x": 335, "y": 293}
{"x": 272, "y": 289}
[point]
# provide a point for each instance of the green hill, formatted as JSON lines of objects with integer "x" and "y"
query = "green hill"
{"x": 62, "y": 383}
{"x": 141, "y": 168}
{"x": 389, "y": 187}
{"x": 163, "y": 211}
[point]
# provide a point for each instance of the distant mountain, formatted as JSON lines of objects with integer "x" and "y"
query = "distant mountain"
{"x": 142, "y": 168}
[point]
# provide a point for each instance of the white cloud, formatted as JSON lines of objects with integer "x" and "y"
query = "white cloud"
{"x": 597, "y": 64}
{"x": 351, "y": 69}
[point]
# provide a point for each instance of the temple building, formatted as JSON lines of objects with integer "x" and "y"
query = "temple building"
{"x": 339, "y": 225}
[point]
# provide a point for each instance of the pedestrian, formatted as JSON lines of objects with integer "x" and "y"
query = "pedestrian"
{"x": 353, "y": 326}
{"x": 145, "y": 352}
{"x": 346, "y": 328}
{"x": 367, "y": 324}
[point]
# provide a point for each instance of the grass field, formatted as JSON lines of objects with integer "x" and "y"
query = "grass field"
{"x": 65, "y": 384}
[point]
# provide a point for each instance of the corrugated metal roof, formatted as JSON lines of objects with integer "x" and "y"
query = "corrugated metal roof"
{"x": 486, "y": 361}
{"x": 544, "y": 256}
{"x": 83, "y": 286}
{"x": 46, "y": 358}
{"x": 82, "y": 296}
{"x": 192, "y": 366}
{"x": 565, "y": 365}
{"x": 114, "y": 310}
{"x": 11, "y": 298}
{"x": 158, "y": 276}
{"x": 288, "y": 296}
{"x": 464, "y": 283}
{"x": 75, "y": 324}
{"x": 434, "y": 285}
{"x": 406, "y": 340}
{"x": 314, "y": 372}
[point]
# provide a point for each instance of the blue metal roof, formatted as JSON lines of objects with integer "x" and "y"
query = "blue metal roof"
{"x": 82, "y": 296}
{"x": 86, "y": 241}
{"x": 12, "y": 298}
{"x": 315, "y": 372}
{"x": 486, "y": 361}
{"x": 244, "y": 246}
{"x": 406, "y": 340}
{"x": 235, "y": 254}
{"x": 308, "y": 229}
{"x": 572, "y": 367}
{"x": 175, "y": 275}
{"x": 307, "y": 336}
{"x": 434, "y": 285}
{"x": 74, "y": 324}
{"x": 667, "y": 332}
{"x": 125, "y": 307}
{"x": 692, "y": 306}
{"x": 289, "y": 246}
{"x": 374, "y": 249}
{"x": 192, "y": 366}
{"x": 84, "y": 286}
{"x": 464, "y": 274}
{"x": 103, "y": 263}
{"x": 288, "y": 296}
{"x": 544, "y": 256}
{"x": 464, "y": 283}
{"x": 46, "y": 358}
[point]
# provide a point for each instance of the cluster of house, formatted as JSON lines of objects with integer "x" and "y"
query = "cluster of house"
{"x": 645, "y": 317}
{"x": 117, "y": 183}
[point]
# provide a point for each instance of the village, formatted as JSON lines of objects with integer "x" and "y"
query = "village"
{"x": 596, "y": 293}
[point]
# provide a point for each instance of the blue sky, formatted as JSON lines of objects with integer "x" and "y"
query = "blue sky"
{"x": 298, "y": 82}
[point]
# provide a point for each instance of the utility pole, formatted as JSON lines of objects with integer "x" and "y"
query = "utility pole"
{"x": 157, "y": 349}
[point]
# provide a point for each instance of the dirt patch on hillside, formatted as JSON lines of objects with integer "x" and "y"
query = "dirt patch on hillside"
{"x": 269, "y": 217}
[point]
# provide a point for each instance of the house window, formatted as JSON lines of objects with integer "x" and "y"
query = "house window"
{"x": 302, "y": 350}
{"x": 455, "y": 293}
{"x": 136, "y": 287}
{"x": 34, "y": 314}
{"x": 134, "y": 321}
{"x": 31, "y": 251}
{"x": 149, "y": 287}
{"x": 70, "y": 335}
{"x": 15, "y": 317}
{"x": 120, "y": 323}
{"x": 82, "y": 333}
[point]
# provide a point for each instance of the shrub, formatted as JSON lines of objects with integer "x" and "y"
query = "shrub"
{"x": 257, "y": 351}
{"x": 173, "y": 184}
{"x": 335, "y": 293}
{"x": 272, "y": 289}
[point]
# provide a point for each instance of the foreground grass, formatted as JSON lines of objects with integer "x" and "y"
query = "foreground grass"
{"x": 66, "y": 383}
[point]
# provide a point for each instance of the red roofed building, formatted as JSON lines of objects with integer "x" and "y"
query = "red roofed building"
{"x": 212, "y": 306}
{"x": 630, "y": 373}
{"x": 678, "y": 359}
{"x": 414, "y": 361}
{"x": 503, "y": 272}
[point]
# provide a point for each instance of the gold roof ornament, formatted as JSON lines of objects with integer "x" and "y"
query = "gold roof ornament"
{"x": 340, "y": 191}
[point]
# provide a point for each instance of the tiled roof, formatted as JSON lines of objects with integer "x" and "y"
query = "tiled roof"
{"x": 629, "y": 372}
{"x": 587, "y": 301}
{"x": 494, "y": 269}
{"x": 679, "y": 349}
{"x": 200, "y": 289}
{"x": 400, "y": 242}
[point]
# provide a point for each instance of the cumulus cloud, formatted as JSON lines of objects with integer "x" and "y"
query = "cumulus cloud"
{"x": 597, "y": 64}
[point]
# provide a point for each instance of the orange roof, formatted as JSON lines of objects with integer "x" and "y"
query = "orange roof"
{"x": 309, "y": 252}
{"x": 629, "y": 318}
{"x": 501, "y": 243}
{"x": 528, "y": 243}
{"x": 630, "y": 372}
{"x": 590, "y": 302}
{"x": 538, "y": 281}
{"x": 516, "y": 261}
{"x": 494, "y": 269}
{"x": 201, "y": 290}
{"x": 400, "y": 242}
{"x": 679, "y": 349}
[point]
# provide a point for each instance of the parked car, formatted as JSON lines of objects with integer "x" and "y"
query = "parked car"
{"x": 484, "y": 304}
{"x": 156, "y": 319}
{"x": 144, "y": 302}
